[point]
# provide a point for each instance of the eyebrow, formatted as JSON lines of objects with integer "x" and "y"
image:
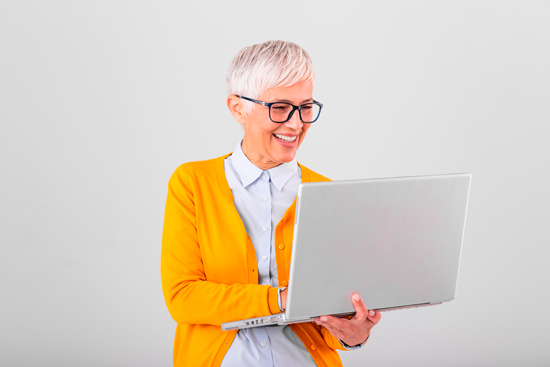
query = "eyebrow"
{"x": 309, "y": 100}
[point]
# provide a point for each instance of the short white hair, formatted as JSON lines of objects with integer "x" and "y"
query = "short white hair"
{"x": 267, "y": 65}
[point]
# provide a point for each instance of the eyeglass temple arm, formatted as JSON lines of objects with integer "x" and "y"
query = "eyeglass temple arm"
{"x": 254, "y": 100}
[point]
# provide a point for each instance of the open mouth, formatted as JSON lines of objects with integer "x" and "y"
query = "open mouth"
{"x": 284, "y": 138}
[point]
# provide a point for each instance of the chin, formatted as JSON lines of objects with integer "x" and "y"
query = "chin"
{"x": 286, "y": 158}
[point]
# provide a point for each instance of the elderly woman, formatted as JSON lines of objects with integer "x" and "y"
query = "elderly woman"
{"x": 228, "y": 228}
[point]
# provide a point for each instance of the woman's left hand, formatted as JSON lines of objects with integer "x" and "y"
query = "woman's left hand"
{"x": 352, "y": 331}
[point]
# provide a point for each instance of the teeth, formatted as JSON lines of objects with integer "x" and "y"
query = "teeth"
{"x": 288, "y": 139}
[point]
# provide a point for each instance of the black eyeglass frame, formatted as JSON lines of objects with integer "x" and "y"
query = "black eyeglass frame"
{"x": 294, "y": 108}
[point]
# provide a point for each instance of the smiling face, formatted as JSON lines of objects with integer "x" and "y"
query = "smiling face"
{"x": 268, "y": 144}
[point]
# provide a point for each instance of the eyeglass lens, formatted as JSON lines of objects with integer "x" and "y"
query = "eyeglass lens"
{"x": 280, "y": 112}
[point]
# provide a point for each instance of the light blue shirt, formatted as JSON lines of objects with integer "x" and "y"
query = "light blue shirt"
{"x": 262, "y": 198}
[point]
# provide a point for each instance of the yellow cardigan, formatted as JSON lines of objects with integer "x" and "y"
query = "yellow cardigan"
{"x": 209, "y": 270}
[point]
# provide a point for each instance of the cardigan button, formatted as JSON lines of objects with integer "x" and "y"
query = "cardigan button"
{"x": 313, "y": 347}
{"x": 284, "y": 283}
{"x": 281, "y": 246}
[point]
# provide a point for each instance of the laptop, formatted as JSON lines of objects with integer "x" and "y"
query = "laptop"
{"x": 395, "y": 241}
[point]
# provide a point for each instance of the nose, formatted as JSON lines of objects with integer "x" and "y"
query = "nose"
{"x": 294, "y": 122}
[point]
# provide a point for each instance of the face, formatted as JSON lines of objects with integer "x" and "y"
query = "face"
{"x": 268, "y": 144}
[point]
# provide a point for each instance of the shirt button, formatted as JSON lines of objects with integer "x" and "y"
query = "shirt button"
{"x": 264, "y": 199}
{"x": 265, "y": 229}
{"x": 281, "y": 246}
{"x": 264, "y": 258}
{"x": 264, "y": 175}
{"x": 263, "y": 344}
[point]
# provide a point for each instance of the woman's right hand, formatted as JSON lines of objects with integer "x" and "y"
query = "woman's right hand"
{"x": 283, "y": 298}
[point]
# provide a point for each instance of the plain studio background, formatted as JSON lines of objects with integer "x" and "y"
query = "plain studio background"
{"x": 101, "y": 101}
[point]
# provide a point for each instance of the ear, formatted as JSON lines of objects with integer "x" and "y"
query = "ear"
{"x": 236, "y": 107}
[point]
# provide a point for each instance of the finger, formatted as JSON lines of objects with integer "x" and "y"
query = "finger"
{"x": 374, "y": 316}
{"x": 333, "y": 322}
{"x": 360, "y": 308}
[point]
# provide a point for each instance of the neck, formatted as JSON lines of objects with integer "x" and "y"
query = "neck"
{"x": 256, "y": 159}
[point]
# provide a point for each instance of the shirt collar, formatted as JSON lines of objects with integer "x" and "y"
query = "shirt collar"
{"x": 248, "y": 172}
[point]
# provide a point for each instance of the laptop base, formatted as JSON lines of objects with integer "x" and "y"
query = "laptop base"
{"x": 279, "y": 319}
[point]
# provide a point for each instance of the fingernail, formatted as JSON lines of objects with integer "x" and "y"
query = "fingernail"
{"x": 324, "y": 318}
{"x": 317, "y": 322}
{"x": 371, "y": 313}
{"x": 356, "y": 297}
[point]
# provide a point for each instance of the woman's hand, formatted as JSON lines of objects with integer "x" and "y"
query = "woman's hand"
{"x": 352, "y": 331}
{"x": 283, "y": 298}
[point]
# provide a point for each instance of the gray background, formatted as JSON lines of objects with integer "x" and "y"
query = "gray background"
{"x": 100, "y": 102}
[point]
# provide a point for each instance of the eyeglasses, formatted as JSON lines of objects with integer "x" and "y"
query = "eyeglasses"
{"x": 280, "y": 112}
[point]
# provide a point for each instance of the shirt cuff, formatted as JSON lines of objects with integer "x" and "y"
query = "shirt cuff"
{"x": 279, "y": 298}
{"x": 358, "y": 346}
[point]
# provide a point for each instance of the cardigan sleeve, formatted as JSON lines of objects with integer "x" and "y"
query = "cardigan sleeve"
{"x": 190, "y": 297}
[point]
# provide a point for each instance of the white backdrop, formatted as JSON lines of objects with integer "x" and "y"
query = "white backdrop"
{"x": 101, "y": 101}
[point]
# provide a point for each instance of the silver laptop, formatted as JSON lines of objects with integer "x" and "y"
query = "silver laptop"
{"x": 395, "y": 241}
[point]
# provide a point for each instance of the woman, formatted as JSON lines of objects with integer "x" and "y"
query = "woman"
{"x": 228, "y": 227}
